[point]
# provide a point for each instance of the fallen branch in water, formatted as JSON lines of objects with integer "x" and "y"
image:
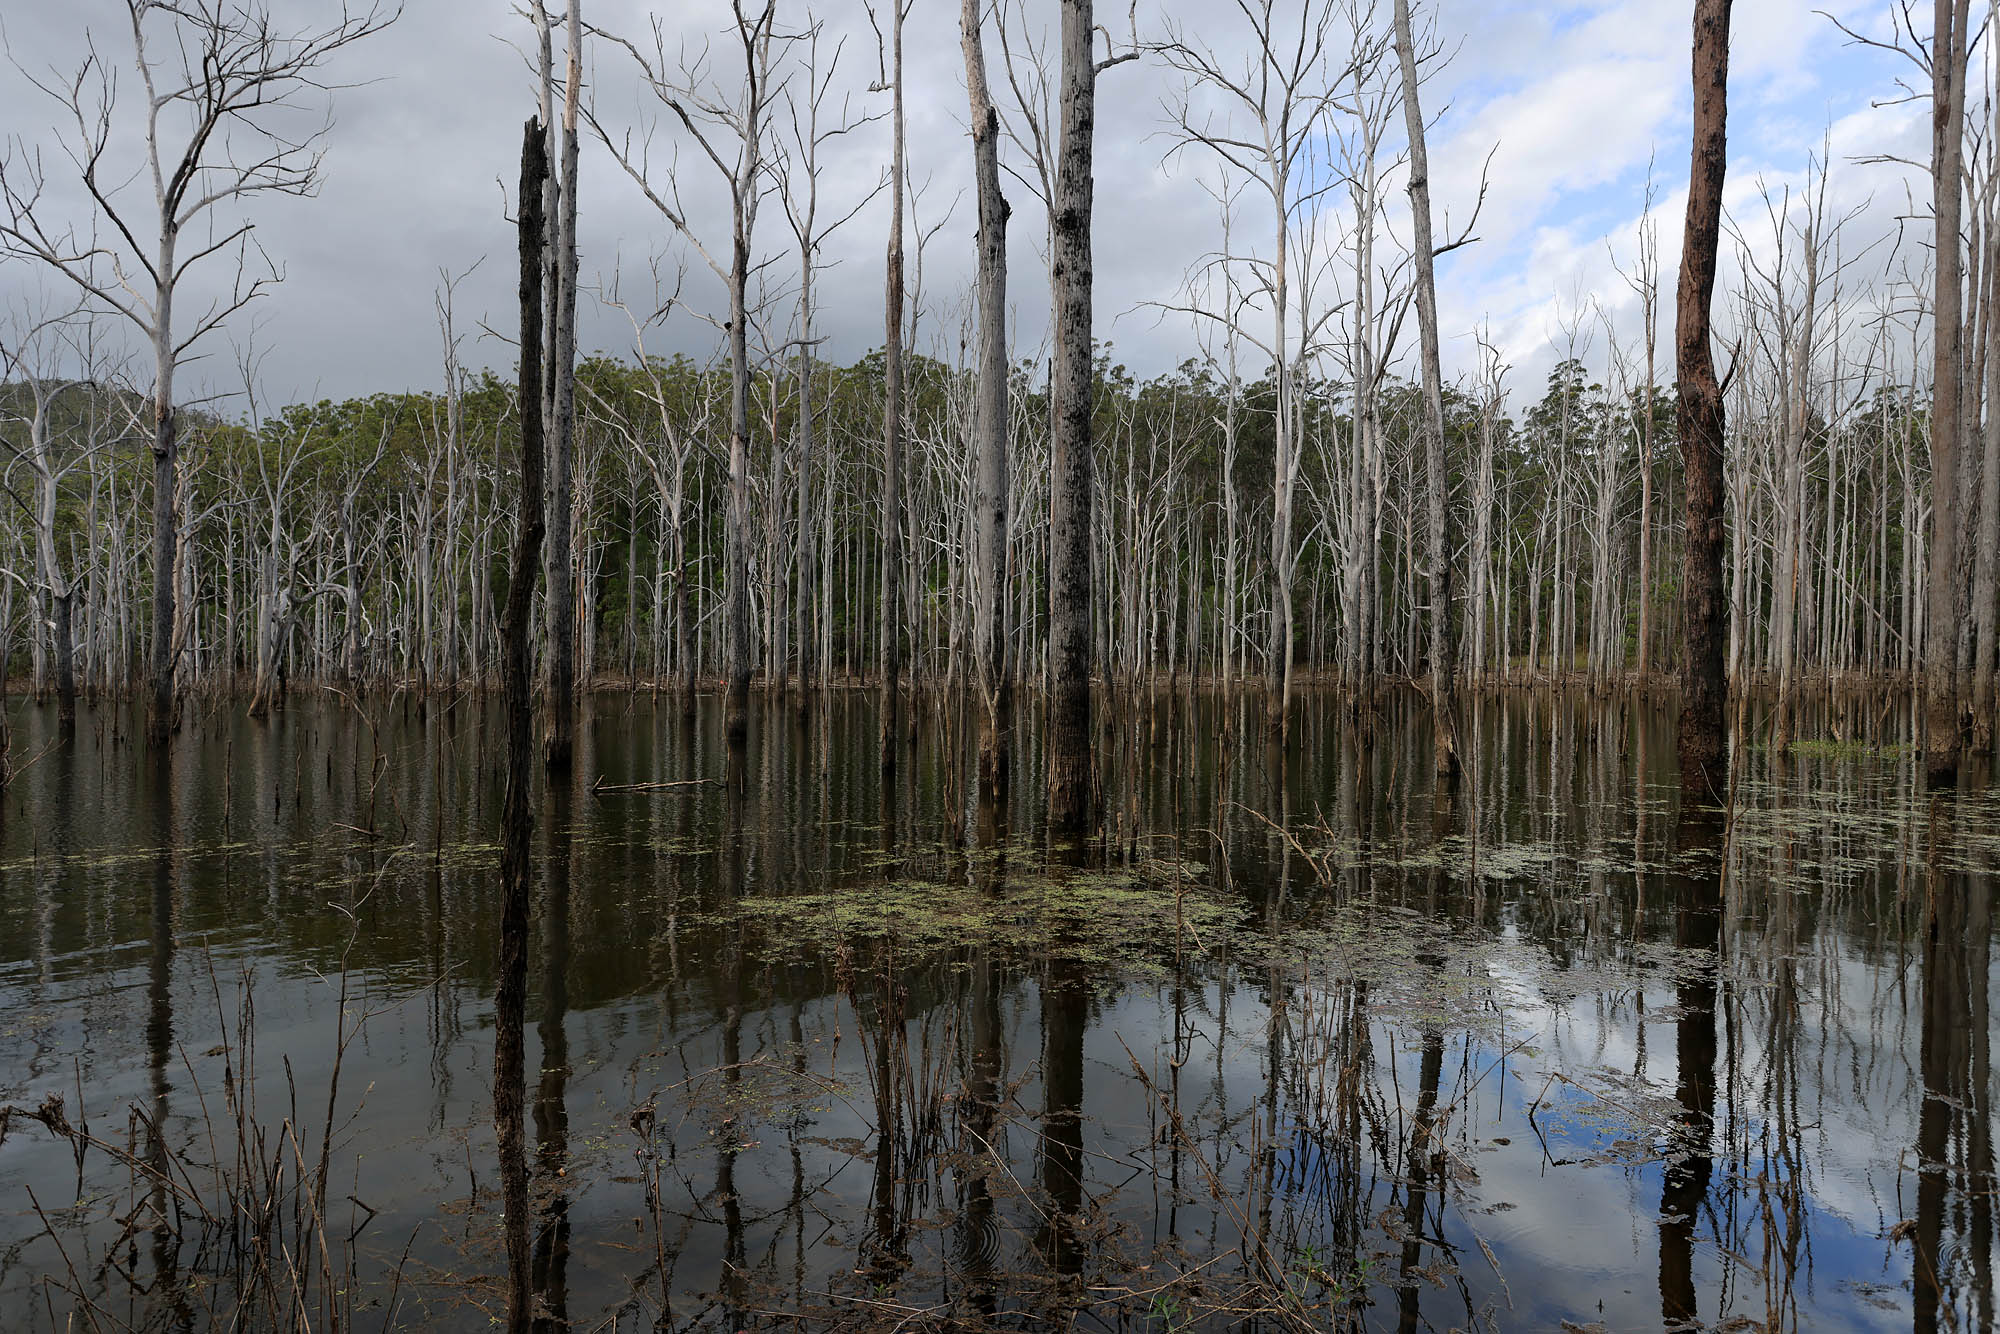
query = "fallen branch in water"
{"x": 600, "y": 787}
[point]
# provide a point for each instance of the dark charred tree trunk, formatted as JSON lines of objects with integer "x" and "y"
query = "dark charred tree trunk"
{"x": 1703, "y": 735}
{"x": 1072, "y": 785}
{"x": 552, "y": 1236}
{"x": 517, "y": 819}
{"x": 62, "y": 607}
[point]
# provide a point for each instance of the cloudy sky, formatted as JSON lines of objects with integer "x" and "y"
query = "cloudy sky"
{"x": 1575, "y": 104}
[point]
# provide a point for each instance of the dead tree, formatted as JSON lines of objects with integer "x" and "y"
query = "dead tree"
{"x": 29, "y": 360}
{"x": 892, "y": 404}
{"x": 559, "y": 387}
{"x": 1984, "y": 616}
{"x": 1792, "y": 300}
{"x": 1702, "y": 738}
{"x": 730, "y": 135}
{"x": 1644, "y": 280}
{"x": 1436, "y": 479}
{"x": 1281, "y": 97}
{"x": 1072, "y": 787}
{"x": 517, "y": 818}
{"x": 1949, "y": 42}
{"x": 231, "y": 81}
{"x": 798, "y": 172}
{"x": 989, "y": 520}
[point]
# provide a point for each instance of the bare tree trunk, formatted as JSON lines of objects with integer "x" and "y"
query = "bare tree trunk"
{"x": 1703, "y": 724}
{"x": 892, "y": 419}
{"x": 1649, "y": 296}
{"x": 517, "y": 820}
{"x": 1481, "y": 552}
{"x": 1232, "y": 661}
{"x": 6, "y": 655}
{"x": 1436, "y": 480}
{"x": 802, "y": 504}
{"x": 1948, "y": 62}
{"x": 1072, "y": 786}
{"x": 1986, "y": 572}
{"x": 560, "y": 394}
{"x": 736, "y": 710}
{"x": 351, "y": 589}
{"x": 216, "y": 64}
{"x": 1284, "y": 560}
{"x": 989, "y": 536}
{"x": 49, "y": 576}
{"x": 160, "y": 675}
{"x": 61, "y": 605}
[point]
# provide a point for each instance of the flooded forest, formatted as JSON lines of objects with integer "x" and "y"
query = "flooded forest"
{"x": 703, "y": 820}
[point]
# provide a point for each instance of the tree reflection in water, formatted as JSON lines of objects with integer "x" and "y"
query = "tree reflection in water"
{"x": 817, "y": 1049}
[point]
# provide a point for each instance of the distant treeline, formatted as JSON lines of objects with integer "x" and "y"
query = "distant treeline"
{"x": 363, "y": 541}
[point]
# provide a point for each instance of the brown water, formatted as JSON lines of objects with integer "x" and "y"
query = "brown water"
{"x": 1300, "y": 1044}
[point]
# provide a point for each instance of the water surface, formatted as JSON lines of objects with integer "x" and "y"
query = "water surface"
{"x": 1300, "y": 1043}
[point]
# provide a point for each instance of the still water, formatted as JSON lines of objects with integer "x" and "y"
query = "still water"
{"x": 1300, "y": 1043}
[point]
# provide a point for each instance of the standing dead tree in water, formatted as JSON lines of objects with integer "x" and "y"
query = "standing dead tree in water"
{"x": 1072, "y": 786}
{"x": 1949, "y": 42}
{"x": 1983, "y": 620}
{"x": 1437, "y": 482}
{"x": 61, "y": 424}
{"x": 666, "y": 439}
{"x": 1704, "y": 692}
{"x": 276, "y": 468}
{"x": 1282, "y": 96}
{"x": 558, "y": 404}
{"x": 891, "y": 609}
{"x": 1958, "y": 612}
{"x": 1791, "y": 301}
{"x": 798, "y": 172}
{"x": 1644, "y": 280}
{"x": 517, "y": 819}
{"x": 210, "y": 136}
{"x": 730, "y": 134}
{"x": 1490, "y": 396}
{"x": 1071, "y": 775}
{"x": 1375, "y": 314}
{"x": 989, "y": 519}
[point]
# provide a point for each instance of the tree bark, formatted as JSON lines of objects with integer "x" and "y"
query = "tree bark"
{"x": 736, "y": 709}
{"x": 560, "y": 394}
{"x": 517, "y": 821}
{"x": 1702, "y": 739}
{"x": 989, "y": 537}
{"x": 1284, "y": 465}
{"x": 1071, "y": 780}
{"x": 1986, "y": 571}
{"x": 1648, "y": 302}
{"x": 1948, "y": 62}
{"x": 892, "y": 420}
{"x": 166, "y": 453}
{"x": 61, "y": 605}
{"x": 1444, "y": 748}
